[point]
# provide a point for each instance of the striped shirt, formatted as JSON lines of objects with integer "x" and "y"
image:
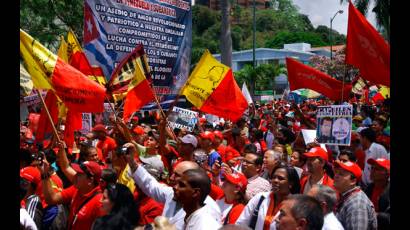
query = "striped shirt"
{"x": 35, "y": 209}
{"x": 356, "y": 212}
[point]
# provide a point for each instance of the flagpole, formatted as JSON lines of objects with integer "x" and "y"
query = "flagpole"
{"x": 343, "y": 83}
{"x": 95, "y": 77}
{"x": 48, "y": 115}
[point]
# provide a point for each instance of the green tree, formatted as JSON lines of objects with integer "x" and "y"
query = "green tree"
{"x": 337, "y": 39}
{"x": 47, "y": 20}
{"x": 263, "y": 74}
{"x": 286, "y": 37}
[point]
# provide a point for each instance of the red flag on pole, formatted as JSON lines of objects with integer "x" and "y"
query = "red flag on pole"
{"x": 303, "y": 76}
{"x": 73, "y": 123}
{"x": 44, "y": 125}
{"x": 366, "y": 49}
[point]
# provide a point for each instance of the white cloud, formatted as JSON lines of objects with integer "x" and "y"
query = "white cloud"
{"x": 320, "y": 12}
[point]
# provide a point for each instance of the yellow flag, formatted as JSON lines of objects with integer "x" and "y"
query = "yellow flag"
{"x": 39, "y": 61}
{"x": 205, "y": 78}
{"x": 385, "y": 91}
{"x": 26, "y": 83}
{"x": 74, "y": 45}
{"x": 126, "y": 180}
{"x": 63, "y": 50}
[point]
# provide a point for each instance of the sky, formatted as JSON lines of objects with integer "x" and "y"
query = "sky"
{"x": 320, "y": 12}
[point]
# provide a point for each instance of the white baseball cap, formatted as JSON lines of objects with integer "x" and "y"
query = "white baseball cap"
{"x": 189, "y": 139}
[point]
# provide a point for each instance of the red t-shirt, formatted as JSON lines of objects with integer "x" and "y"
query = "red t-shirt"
{"x": 221, "y": 150}
{"x": 361, "y": 157}
{"x": 377, "y": 191}
{"x": 56, "y": 184}
{"x": 148, "y": 210}
{"x": 106, "y": 146}
{"x": 84, "y": 218}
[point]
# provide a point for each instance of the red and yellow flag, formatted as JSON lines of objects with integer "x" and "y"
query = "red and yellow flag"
{"x": 130, "y": 78}
{"x": 50, "y": 72}
{"x": 212, "y": 89}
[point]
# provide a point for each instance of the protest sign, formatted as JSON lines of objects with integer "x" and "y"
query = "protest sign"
{"x": 309, "y": 136}
{"x": 334, "y": 124}
{"x": 112, "y": 29}
{"x": 33, "y": 99}
{"x": 182, "y": 118}
{"x": 86, "y": 123}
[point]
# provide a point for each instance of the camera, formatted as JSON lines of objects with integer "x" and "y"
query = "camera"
{"x": 123, "y": 151}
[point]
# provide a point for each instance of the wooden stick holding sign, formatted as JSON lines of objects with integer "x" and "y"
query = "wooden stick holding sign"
{"x": 48, "y": 115}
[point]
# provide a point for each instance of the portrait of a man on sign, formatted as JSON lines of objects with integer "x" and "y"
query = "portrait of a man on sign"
{"x": 325, "y": 128}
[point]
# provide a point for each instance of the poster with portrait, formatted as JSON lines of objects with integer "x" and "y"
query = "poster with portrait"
{"x": 334, "y": 124}
{"x": 182, "y": 118}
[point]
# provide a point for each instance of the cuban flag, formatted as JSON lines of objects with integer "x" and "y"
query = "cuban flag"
{"x": 95, "y": 38}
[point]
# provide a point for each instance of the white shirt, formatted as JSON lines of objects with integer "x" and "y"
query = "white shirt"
{"x": 331, "y": 223}
{"x": 165, "y": 194}
{"x": 201, "y": 219}
{"x": 269, "y": 139}
{"x": 26, "y": 220}
{"x": 246, "y": 216}
{"x": 375, "y": 151}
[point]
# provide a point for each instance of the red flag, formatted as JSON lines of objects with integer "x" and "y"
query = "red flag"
{"x": 303, "y": 76}
{"x": 131, "y": 75}
{"x": 73, "y": 123}
{"x": 366, "y": 49}
{"x": 44, "y": 125}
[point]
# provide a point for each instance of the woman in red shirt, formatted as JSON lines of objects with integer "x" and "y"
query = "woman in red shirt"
{"x": 233, "y": 202}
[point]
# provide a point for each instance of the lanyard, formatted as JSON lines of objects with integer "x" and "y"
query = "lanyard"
{"x": 272, "y": 210}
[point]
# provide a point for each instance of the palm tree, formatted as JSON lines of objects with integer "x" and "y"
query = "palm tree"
{"x": 226, "y": 39}
{"x": 381, "y": 9}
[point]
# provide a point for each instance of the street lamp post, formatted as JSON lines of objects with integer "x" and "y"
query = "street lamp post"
{"x": 330, "y": 33}
{"x": 254, "y": 45}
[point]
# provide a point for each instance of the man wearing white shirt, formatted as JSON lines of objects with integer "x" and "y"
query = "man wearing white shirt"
{"x": 328, "y": 199}
{"x": 191, "y": 191}
{"x": 268, "y": 136}
{"x": 372, "y": 150}
{"x": 165, "y": 194}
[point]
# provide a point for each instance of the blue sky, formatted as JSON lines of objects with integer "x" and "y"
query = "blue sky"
{"x": 320, "y": 12}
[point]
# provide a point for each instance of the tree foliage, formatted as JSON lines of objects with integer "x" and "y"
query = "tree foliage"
{"x": 263, "y": 74}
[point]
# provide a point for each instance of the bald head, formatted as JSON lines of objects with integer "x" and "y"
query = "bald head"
{"x": 181, "y": 168}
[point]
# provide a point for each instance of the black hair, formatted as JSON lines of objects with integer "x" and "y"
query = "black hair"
{"x": 369, "y": 134}
{"x": 25, "y": 157}
{"x": 197, "y": 178}
{"x": 250, "y": 148}
{"x": 258, "y": 134}
{"x": 236, "y": 132}
{"x": 109, "y": 175}
{"x": 124, "y": 213}
{"x": 349, "y": 153}
{"x": 326, "y": 119}
{"x": 289, "y": 136}
{"x": 293, "y": 177}
{"x": 309, "y": 208}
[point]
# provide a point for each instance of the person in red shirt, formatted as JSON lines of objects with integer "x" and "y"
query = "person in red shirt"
{"x": 379, "y": 175}
{"x": 217, "y": 144}
{"x": 84, "y": 196}
{"x": 357, "y": 149}
{"x": 316, "y": 161}
{"x": 379, "y": 124}
{"x": 105, "y": 143}
{"x": 233, "y": 202}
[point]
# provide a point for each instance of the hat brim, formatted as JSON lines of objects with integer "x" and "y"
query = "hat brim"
{"x": 77, "y": 168}
{"x": 372, "y": 161}
{"x": 344, "y": 167}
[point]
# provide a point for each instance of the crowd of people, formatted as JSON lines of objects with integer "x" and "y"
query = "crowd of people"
{"x": 255, "y": 173}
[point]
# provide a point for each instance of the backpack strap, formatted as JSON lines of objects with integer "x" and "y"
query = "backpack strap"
{"x": 255, "y": 213}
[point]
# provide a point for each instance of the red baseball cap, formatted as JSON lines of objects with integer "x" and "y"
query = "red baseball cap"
{"x": 207, "y": 135}
{"x": 138, "y": 130}
{"x": 350, "y": 167}
{"x": 99, "y": 128}
{"x": 89, "y": 167}
{"x": 237, "y": 179}
{"x": 218, "y": 134}
{"x": 31, "y": 174}
{"x": 231, "y": 153}
{"x": 317, "y": 152}
{"x": 384, "y": 163}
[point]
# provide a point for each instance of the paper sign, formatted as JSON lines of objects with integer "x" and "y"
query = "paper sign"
{"x": 86, "y": 123}
{"x": 334, "y": 124}
{"x": 182, "y": 118}
{"x": 309, "y": 136}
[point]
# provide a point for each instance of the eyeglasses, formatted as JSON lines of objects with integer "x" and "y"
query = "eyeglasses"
{"x": 247, "y": 162}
